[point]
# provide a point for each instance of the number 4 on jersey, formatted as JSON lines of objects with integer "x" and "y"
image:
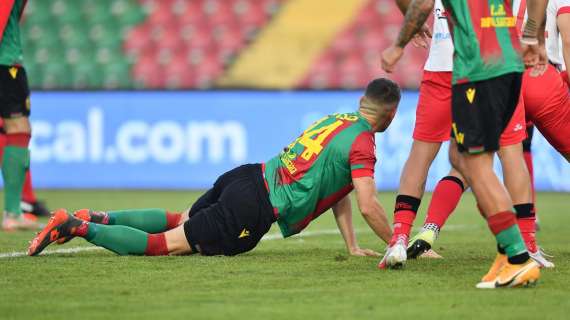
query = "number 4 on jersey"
{"x": 315, "y": 146}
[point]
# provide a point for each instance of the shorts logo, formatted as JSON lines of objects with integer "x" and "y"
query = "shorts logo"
{"x": 518, "y": 127}
{"x": 244, "y": 233}
{"x": 470, "y": 93}
{"x": 13, "y": 72}
{"x": 459, "y": 137}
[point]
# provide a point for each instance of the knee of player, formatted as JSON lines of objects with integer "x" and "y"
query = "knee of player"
{"x": 176, "y": 241}
{"x": 455, "y": 160}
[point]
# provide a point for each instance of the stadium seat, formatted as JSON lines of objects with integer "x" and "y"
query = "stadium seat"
{"x": 358, "y": 50}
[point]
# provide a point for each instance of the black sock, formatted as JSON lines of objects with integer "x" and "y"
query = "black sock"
{"x": 500, "y": 249}
{"x": 519, "y": 258}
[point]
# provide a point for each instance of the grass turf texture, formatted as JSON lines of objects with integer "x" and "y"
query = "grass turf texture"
{"x": 309, "y": 277}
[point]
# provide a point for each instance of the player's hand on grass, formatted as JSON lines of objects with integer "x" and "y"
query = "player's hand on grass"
{"x": 358, "y": 252}
{"x": 422, "y": 38}
{"x": 390, "y": 57}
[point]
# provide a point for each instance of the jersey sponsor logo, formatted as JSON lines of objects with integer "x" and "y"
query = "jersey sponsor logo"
{"x": 13, "y": 72}
{"x": 498, "y": 18}
{"x": 470, "y": 94}
{"x": 459, "y": 136}
{"x": 244, "y": 233}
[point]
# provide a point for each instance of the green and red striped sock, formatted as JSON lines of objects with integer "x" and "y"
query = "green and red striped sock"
{"x": 123, "y": 240}
{"x": 504, "y": 227}
{"x": 148, "y": 220}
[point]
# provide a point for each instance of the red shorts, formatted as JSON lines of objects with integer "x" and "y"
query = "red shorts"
{"x": 433, "y": 113}
{"x": 515, "y": 132}
{"x": 547, "y": 105}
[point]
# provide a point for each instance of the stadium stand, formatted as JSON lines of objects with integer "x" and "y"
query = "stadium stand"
{"x": 199, "y": 44}
{"x": 353, "y": 58}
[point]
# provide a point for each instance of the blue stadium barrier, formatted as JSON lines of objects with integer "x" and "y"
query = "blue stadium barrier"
{"x": 184, "y": 140}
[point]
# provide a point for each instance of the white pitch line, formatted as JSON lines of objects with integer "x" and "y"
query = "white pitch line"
{"x": 64, "y": 250}
{"x": 267, "y": 237}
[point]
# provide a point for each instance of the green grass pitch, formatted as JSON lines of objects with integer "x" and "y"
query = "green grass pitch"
{"x": 305, "y": 277}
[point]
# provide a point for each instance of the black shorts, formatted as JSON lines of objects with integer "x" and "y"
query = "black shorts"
{"x": 528, "y": 141}
{"x": 14, "y": 92}
{"x": 232, "y": 217}
{"x": 481, "y": 111}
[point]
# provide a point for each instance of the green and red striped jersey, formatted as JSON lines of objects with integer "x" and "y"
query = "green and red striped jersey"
{"x": 10, "y": 42}
{"x": 315, "y": 171}
{"x": 485, "y": 39}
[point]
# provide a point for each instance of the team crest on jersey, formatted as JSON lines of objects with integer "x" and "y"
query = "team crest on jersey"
{"x": 470, "y": 93}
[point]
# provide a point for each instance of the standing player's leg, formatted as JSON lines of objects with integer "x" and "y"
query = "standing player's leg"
{"x": 445, "y": 199}
{"x": 16, "y": 159}
{"x": 527, "y": 153}
{"x": 518, "y": 181}
{"x": 481, "y": 112}
{"x": 433, "y": 123}
{"x": 15, "y": 156}
{"x": 29, "y": 202}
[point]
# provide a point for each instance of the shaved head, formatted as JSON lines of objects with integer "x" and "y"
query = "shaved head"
{"x": 379, "y": 103}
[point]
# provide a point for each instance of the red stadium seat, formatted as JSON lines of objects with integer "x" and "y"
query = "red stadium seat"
{"x": 358, "y": 50}
{"x": 199, "y": 37}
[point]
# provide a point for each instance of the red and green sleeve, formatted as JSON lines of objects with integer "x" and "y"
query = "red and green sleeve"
{"x": 362, "y": 156}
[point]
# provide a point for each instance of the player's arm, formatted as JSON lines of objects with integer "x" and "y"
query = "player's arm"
{"x": 343, "y": 214}
{"x": 563, "y": 23}
{"x": 533, "y": 35}
{"x": 416, "y": 15}
{"x": 421, "y": 38}
{"x": 371, "y": 208}
{"x": 536, "y": 11}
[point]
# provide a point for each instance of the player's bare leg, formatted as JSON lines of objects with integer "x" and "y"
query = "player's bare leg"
{"x": 491, "y": 195}
{"x": 15, "y": 162}
{"x": 415, "y": 171}
{"x": 412, "y": 186}
{"x": 176, "y": 241}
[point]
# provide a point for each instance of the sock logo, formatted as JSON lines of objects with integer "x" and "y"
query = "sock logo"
{"x": 403, "y": 206}
{"x": 244, "y": 233}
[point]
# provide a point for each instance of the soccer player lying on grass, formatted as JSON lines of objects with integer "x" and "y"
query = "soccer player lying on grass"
{"x": 315, "y": 172}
